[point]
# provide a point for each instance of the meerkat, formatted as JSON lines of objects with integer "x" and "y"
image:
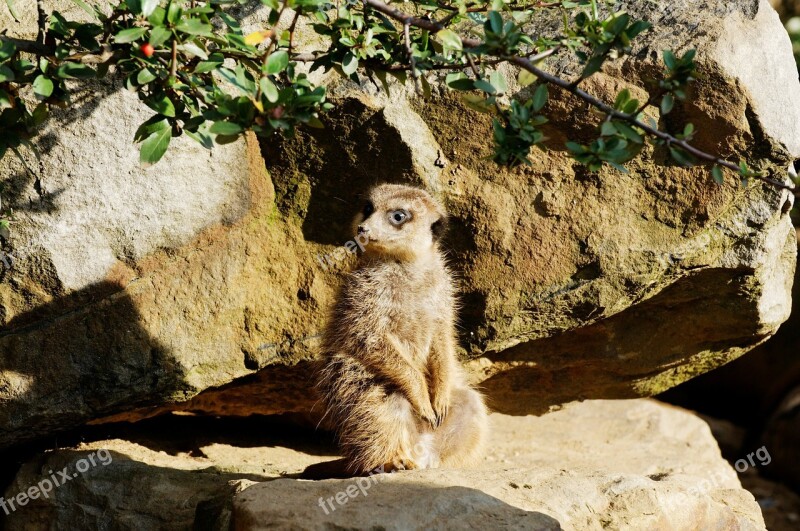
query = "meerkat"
{"x": 392, "y": 385}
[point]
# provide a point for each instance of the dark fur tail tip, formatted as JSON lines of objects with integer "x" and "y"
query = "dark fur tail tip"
{"x": 336, "y": 469}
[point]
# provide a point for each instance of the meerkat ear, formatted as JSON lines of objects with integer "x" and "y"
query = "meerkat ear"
{"x": 438, "y": 228}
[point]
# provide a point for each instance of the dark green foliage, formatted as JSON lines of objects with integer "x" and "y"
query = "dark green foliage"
{"x": 191, "y": 64}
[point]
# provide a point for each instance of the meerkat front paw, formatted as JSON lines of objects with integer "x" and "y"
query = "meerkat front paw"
{"x": 441, "y": 405}
{"x": 426, "y": 412}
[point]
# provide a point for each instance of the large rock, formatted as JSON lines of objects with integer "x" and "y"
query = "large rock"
{"x": 597, "y": 465}
{"x": 141, "y": 288}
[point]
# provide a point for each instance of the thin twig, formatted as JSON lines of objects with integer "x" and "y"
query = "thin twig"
{"x": 411, "y": 60}
{"x": 508, "y": 7}
{"x": 41, "y": 34}
{"x": 565, "y": 85}
{"x": 28, "y": 46}
{"x": 173, "y": 65}
{"x": 291, "y": 31}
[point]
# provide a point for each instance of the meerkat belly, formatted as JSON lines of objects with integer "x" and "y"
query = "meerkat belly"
{"x": 414, "y": 320}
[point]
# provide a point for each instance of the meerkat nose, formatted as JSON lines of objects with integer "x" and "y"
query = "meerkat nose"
{"x": 362, "y": 229}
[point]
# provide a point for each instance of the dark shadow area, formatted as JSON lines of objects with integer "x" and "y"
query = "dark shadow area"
{"x": 759, "y": 394}
{"x": 116, "y": 491}
{"x": 663, "y": 333}
{"x": 386, "y": 502}
{"x": 187, "y": 434}
{"x": 77, "y": 358}
{"x": 351, "y": 153}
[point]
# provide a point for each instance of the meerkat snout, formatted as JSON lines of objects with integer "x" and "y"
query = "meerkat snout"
{"x": 392, "y": 384}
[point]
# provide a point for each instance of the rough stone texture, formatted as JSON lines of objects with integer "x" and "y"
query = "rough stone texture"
{"x": 631, "y": 464}
{"x": 140, "y": 288}
{"x": 595, "y": 465}
{"x": 761, "y": 392}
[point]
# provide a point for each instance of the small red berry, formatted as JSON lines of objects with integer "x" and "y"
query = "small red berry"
{"x": 277, "y": 112}
{"x": 147, "y": 49}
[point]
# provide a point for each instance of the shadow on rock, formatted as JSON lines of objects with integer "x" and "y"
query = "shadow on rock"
{"x": 379, "y": 502}
{"x": 103, "y": 489}
{"x": 356, "y": 150}
{"x": 684, "y": 330}
{"x": 82, "y": 356}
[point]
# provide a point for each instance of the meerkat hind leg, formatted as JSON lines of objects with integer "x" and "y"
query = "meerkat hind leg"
{"x": 461, "y": 437}
{"x": 381, "y": 433}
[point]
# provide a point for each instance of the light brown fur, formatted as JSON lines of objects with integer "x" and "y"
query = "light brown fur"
{"x": 392, "y": 384}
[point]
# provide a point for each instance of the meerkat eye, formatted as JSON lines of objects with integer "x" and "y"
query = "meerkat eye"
{"x": 369, "y": 208}
{"x": 398, "y": 217}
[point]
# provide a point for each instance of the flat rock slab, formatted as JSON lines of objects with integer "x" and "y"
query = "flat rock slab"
{"x": 634, "y": 464}
{"x": 595, "y": 465}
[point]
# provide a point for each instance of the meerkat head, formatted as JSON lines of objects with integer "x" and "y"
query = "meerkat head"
{"x": 399, "y": 222}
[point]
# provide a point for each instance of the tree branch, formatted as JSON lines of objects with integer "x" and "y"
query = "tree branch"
{"x": 527, "y": 64}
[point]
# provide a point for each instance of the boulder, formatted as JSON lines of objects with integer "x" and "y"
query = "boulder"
{"x": 634, "y": 464}
{"x": 136, "y": 289}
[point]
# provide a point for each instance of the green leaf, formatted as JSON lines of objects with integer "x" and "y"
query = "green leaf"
{"x": 12, "y": 9}
{"x": 622, "y": 98}
{"x": 349, "y": 63}
{"x": 155, "y": 123}
{"x": 193, "y": 50}
{"x": 5, "y": 100}
{"x": 129, "y": 35}
{"x": 134, "y": 6}
{"x": 194, "y": 26}
{"x": 629, "y": 132}
{"x": 231, "y": 22}
{"x": 593, "y": 65}
{"x": 7, "y": 49}
{"x": 631, "y": 107}
{"x": 161, "y": 104}
{"x": 681, "y": 157}
{"x": 148, "y": 6}
{"x": 670, "y": 60}
{"x": 279, "y": 60}
{"x": 74, "y": 70}
{"x": 269, "y": 89}
{"x": 154, "y": 146}
{"x": 498, "y": 81}
{"x": 145, "y": 76}
{"x": 450, "y": 39}
{"x": 608, "y": 129}
{"x": 174, "y": 12}
{"x": 225, "y": 128}
{"x": 159, "y": 36}
{"x": 667, "y": 102}
{"x": 526, "y": 78}
{"x": 495, "y": 22}
{"x": 39, "y": 114}
{"x": 716, "y": 173}
{"x": 637, "y": 27}
{"x": 461, "y": 84}
{"x": 42, "y": 87}
{"x": 478, "y": 103}
{"x": 206, "y": 66}
{"x": 6, "y": 74}
{"x": 485, "y": 86}
{"x": 539, "y": 97}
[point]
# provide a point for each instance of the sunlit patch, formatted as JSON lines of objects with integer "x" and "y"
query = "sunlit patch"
{"x": 14, "y": 384}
